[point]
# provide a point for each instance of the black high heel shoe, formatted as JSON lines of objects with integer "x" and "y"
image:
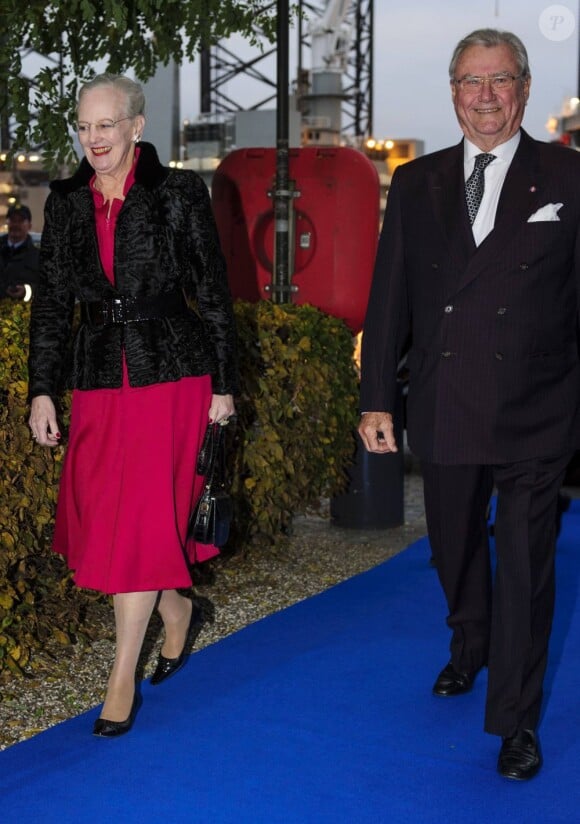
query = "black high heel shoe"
{"x": 166, "y": 667}
{"x": 111, "y": 729}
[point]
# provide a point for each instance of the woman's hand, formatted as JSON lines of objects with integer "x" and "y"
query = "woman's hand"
{"x": 221, "y": 408}
{"x": 42, "y": 421}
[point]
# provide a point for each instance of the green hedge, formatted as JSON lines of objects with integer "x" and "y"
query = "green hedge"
{"x": 292, "y": 444}
{"x": 37, "y": 597}
{"x": 297, "y": 412}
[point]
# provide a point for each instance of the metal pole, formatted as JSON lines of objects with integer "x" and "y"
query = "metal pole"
{"x": 175, "y": 115}
{"x": 578, "y": 27}
{"x": 300, "y": 20}
{"x": 205, "y": 80}
{"x": 281, "y": 276}
{"x": 371, "y": 91}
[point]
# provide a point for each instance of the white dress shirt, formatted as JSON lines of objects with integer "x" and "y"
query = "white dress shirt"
{"x": 494, "y": 176}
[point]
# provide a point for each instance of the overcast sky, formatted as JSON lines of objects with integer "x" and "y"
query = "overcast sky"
{"x": 414, "y": 40}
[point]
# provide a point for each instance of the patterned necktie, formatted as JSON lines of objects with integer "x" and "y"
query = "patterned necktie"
{"x": 475, "y": 183}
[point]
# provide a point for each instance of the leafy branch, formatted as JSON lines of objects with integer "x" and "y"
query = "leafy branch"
{"x": 75, "y": 35}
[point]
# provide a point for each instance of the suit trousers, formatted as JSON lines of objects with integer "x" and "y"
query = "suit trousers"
{"x": 503, "y": 621}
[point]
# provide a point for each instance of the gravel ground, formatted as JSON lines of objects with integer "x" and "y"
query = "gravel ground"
{"x": 71, "y": 680}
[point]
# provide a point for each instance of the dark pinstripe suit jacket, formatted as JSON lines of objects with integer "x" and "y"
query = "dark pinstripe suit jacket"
{"x": 491, "y": 331}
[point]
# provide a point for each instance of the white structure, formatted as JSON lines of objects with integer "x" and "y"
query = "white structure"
{"x": 331, "y": 36}
{"x": 162, "y": 112}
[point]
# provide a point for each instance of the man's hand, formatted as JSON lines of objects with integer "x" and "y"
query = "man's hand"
{"x": 377, "y": 433}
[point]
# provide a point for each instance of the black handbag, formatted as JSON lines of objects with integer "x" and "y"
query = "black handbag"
{"x": 211, "y": 518}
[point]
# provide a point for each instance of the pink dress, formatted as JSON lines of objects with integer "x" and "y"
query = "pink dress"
{"x": 129, "y": 483}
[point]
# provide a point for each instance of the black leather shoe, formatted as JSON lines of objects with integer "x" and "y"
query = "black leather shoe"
{"x": 111, "y": 729}
{"x": 520, "y": 758}
{"x": 166, "y": 667}
{"x": 450, "y": 682}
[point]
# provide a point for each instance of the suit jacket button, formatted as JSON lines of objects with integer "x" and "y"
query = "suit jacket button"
{"x": 498, "y": 356}
{"x": 524, "y": 266}
{"x": 434, "y": 265}
{"x": 445, "y": 354}
{"x": 449, "y": 309}
{"x": 502, "y": 310}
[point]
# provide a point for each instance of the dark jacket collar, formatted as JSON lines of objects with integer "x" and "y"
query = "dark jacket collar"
{"x": 27, "y": 243}
{"x": 518, "y": 195}
{"x": 149, "y": 172}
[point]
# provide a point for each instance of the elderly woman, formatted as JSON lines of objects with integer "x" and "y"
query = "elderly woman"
{"x": 130, "y": 240}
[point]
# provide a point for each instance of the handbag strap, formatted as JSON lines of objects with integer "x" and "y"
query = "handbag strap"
{"x": 217, "y": 461}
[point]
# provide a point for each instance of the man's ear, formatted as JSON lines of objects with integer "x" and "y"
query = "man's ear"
{"x": 527, "y": 83}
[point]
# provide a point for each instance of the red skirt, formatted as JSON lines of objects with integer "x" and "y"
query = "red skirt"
{"x": 129, "y": 484}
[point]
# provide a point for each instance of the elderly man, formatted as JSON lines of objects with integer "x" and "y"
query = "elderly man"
{"x": 19, "y": 257}
{"x": 478, "y": 277}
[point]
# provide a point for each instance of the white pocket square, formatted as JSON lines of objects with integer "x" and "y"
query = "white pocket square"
{"x": 547, "y": 212}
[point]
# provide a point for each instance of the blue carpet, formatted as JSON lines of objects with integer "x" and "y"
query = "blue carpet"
{"x": 320, "y": 713}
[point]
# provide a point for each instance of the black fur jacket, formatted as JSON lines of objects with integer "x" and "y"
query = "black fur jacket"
{"x": 165, "y": 240}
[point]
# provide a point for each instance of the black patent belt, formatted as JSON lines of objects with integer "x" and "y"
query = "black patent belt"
{"x": 128, "y": 309}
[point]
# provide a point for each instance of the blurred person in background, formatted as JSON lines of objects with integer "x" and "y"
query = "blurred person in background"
{"x": 19, "y": 257}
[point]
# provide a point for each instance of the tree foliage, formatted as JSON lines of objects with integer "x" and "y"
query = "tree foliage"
{"x": 74, "y": 35}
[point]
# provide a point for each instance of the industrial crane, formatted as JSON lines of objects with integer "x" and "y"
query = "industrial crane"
{"x": 331, "y": 36}
{"x": 340, "y": 35}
